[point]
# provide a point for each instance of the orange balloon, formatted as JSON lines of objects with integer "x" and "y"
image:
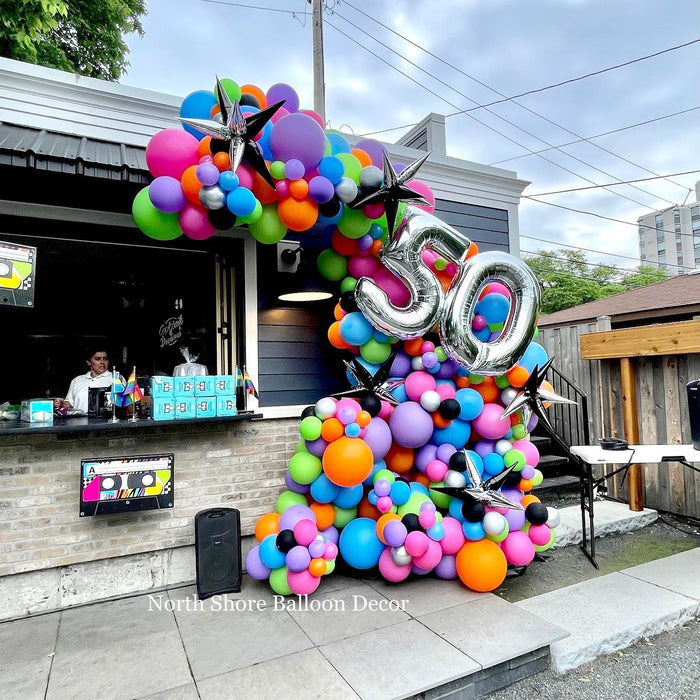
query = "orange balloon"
{"x": 325, "y": 515}
{"x": 334, "y": 337}
{"x": 525, "y": 485}
{"x": 256, "y": 92}
{"x": 317, "y": 567}
{"x": 488, "y": 390}
{"x": 191, "y": 185}
{"x": 473, "y": 250}
{"x": 525, "y": 501}
{"x": 268, "y": 524}
{"x": 439, "y": 421}
{"x": 297, "y": 215}
{"x": 347, "y": 461}
{"x": 262, "y": 191}
{"x": 517, "y": 376}
{"x": 332, "y": 429}
{"x": 547, "y": 385}
{"x": 362, "y": 156}
{"x": 299, "y": 188}
{"x": 463, "y": 382}
{"x": 481, "y": 565}
{"x": 376, "y": 247}
{"x": 422, "y": 479}
{"x": 222, "y": 161}
{"x": 214, "y": 111}
{"x": 204, "y": 148}
{"x": 343, "y": 245}
{"x": 412, "y": 347}
{"x": 366, "y": 510}
{"x": 399, "y": 459}
{"x": 381, "y": 524}
{"x": 363, "y": 418}
{"x": 338, "y": 312}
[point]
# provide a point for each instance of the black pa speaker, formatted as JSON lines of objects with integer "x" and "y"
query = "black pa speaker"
{"x": 694, "y": 412}
{"x": 217, "y": 547}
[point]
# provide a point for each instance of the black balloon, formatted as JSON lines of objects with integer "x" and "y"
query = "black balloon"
{"x": 249, "y": 100}
{"x": 449, "y": 409}
{"x": 473, "y": 511}
{"x": 411, "y": 522}
{"x": 512, "y": 479}
{"x": 458, "y": 461}
{"x": 371, "y": 404}
{"x": 221, "y": 219}
{"x": 285, "y": 541}
{"x": 308, "y": 411}
{"x": 330, "y": 208}
{"x": 218, "y": 146}
{"x": 536, "y": 513}
{"x": 347, "y": 302}
{"x": 433, "y": 338}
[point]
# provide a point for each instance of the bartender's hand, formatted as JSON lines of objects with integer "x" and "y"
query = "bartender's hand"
{"x": 62, "y": 403}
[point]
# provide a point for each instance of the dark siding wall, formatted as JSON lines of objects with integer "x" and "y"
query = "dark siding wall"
{"x": 486, "y": 227}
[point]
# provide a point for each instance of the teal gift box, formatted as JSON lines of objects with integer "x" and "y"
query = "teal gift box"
{"x": 205, "y": 406}
{"x": 204, "y": 386}
{"x": 185, "y": 407}
{"x": 226, "y": 406}
{"x": 225, "y": 385}
{"x": 37, "y": 411}
{"x": 183, "y": 386}
{"x": 163, "y": 407}
{"x": 162, "y": 386}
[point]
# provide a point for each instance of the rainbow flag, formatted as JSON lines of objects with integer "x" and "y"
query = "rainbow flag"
{"x": 249, "y": 386}
{"x": 132, "y": 390}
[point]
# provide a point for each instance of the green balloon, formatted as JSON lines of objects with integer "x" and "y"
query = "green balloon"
{"x": 289, "y": 498}
{"x": 310, "y": 428}
{"x": 537, "y": 478}
{"x": 153, "y": 222}
{"x": 375, "y": 352}
{"x": 253, "y": 216}
{"x": 441, "y": 500}
{"x": 476, "y": 378}
{"x": 277, "y": 169}
{"x": 519, "y": 431}
{"x": 384, "y": 474}
{"x": 348, "y": 284}
{"x": 330, "y": 566}
{"x": 414, "y": 503}
{"x": 300, "y": 446}
{"x": 352, "y": 166}
{"x": 502, "y": 381}
{"x": 278, "y": 581}
{"x": 304, "y": 468}
{"x": 545, "y": 547}
{"x": 332, "y": 266}
{"x": 353, "y": 223}
{"x": 231, "y": 88}
{"x": 343, "y": 516}
{"x": 441, "y": 354}
{"x": 514, "y": 457}
{"x": 268, "y": 228}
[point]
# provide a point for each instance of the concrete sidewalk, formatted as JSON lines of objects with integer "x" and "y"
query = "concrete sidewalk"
{"x": 353, "y": 638}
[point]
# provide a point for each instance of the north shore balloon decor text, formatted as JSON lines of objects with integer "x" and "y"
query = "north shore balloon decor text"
{"x": 425, "y": 464}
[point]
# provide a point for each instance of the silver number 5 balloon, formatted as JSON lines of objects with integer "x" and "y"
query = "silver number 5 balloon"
{"x": 430, "y": 306}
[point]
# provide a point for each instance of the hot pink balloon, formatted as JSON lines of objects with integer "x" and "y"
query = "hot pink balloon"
{"x": 171, "y": 152}
{"x": 391, "y": 571}
{"x": 195, "y": 224}
{"x": 423, "y": 189}
{"x": 392, "y": 285}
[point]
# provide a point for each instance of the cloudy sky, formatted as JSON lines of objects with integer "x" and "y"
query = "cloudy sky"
{"x": 378, "y": 78}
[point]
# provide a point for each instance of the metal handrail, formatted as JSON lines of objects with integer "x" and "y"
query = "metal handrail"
{"x": 569, "y": 420}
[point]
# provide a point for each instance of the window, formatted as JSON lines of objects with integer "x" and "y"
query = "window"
{"x": 659, "y": 221}
{"x": 662, "y": 260}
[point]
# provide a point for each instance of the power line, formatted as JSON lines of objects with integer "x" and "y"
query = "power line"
{"x": 578, "y": 247}
{"x": 612, "y": 184}
{"x": 252, "y": 7}
{"x": 597, "y": 136}
{"x": 500, "y": 133}
{"x": 488, "y": 87}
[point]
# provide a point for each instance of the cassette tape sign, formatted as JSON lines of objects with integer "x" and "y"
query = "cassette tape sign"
{"x": 126, "y": 484}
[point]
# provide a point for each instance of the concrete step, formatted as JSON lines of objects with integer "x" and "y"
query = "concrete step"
{"x": 550, "y": 462}
{"x": 557, "y": 484}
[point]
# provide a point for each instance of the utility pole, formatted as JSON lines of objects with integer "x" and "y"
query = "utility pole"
{"x": 319, "y": 83}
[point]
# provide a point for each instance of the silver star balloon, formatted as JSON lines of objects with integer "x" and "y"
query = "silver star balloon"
{"x": 532, "y": 396}
{"x": 395, "y": 190}
{"x": 485, "y": 492}
{"x": 367, "y": 384}
{"x": 238, "y": 131}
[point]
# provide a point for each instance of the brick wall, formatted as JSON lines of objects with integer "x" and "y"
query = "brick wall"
{"x": 238, "y": 465}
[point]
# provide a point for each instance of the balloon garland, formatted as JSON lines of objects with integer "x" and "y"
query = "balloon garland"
{"x": 425, "y": 465}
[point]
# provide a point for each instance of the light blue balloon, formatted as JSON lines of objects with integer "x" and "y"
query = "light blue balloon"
{"x": 456, "y": 433}
{"x": 471, "y": 401}
{"x": 349, "y": 496}
{"x": 359, "y": 545}
{"x": 270, "y": 556}
{"x": 323, "y": 490}
{"x": 473, "y": 531}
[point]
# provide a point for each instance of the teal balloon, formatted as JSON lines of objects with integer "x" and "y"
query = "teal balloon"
{"x": 154, "y": 223}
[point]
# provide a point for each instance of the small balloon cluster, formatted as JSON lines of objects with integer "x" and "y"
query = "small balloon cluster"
{"x": 316, "y": 174}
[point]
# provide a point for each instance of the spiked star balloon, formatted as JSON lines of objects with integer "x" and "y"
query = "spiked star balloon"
{"x": 532, "y": 396}
{"x": 485, "y": 492}
{"x": 378, "y": 385}
{"x": 238, "y": 131}
{"x": 395, "y": 190}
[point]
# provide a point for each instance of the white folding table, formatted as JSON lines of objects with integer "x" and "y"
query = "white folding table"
{"x": 633, "y": 454}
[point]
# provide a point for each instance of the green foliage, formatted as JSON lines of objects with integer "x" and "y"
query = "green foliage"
{"x": 567, "y": 278}
{"x": 81, "y": 36}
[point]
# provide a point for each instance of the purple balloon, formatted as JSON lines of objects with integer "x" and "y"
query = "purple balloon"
{"x": 294, "y": 486}
{"x": 166, "y": 194}
{"x": 484, "y": 447}
{"x": 447, "y": 369}
{"x": 294, "y": 169}
{"x": 255, "y": 568}
{"x": 532, "y": 423}
{"x": 411, "y": 425}
{"x": 298, "y": 136}
{"x": 378, "y": 437}
{"x": 317, "y": 548}
{"x": 401, "y": 367}
{"x": 373, "y": 149}
{"x": 292, "y": 515}
{"x": 298, "y": 558}
{"x": 395, "y": 533}
{"x": 282, "y": 91}
{"x": 331, "y": 534}
{"x": 321, "y": 189}
{"x": 515, "y": 518}
{"x": 207, "y": 174}
{"x": 447, "y": 568}
{"x": 316, "y": 447}
{"x": 425, "y": 455}
{"x": 445, "y": 451}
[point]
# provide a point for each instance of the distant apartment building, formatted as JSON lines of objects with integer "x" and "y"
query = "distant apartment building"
{"x": 670, "y": 237}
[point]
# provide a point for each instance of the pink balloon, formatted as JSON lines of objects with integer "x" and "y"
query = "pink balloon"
{"x": 436, "y": 471}
{"x": 315, "y": 116}
{"x": 171, "y": 152}
{"x": 392, "y": 285}
{"x": 423, "y": 189}
{"x": 281, "y": 112}
{"x": 431, "y": 558}
{"x": 518, "y": 548}
{"x": 417, "y": 383}
{"x": 302, "y": 582}
{"x": 489, "y": 423}
{"x": 373, "y": 211}
{"x": 454, "y": 538}
{"x": 305, "y": 532}
{"x": 497, "y": 288}
{"x": 391, "y": 571}
{"x": 539, "y": 534}
{"x": 194, "y": 223}
{"x": 362, "y": 266}
{"x": 417, "y": 543}
{"x": 532, "y": 454}
{"x": 446, "y": 391}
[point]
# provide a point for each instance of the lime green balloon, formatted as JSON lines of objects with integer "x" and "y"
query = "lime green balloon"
{"x": 329, "y": 149}
{"x": 289, "y": 498}
{"x": 514, "y": 457}
{"x": 231, "y": 88}
{"x": 502, "y": 381}
{"x": 332, "y": 266}
{"x": 153, "y": 222}
{"x": 310, "y": 428}
{"x": 440, "y": 353}
{"x": 268, "y": 228}
{"x": 343, "y": 516}
{"x": 440, "y": 264}
{"x": 519, "y": 431}
{"x": 353, "y": 223}
{"x": 476, "y": 378}
{"x": 277, "y": 169}
{"x": 375, "y": 352}
{"x": 330, "y": 566}
{"x": 545, "y": 547}
{"x": 304, "y": 468}
{"x": 278, "y": 581}
{"x": 537, "y": 478}
{"x": 352, "y": 166}
{"x": 536, "y": 333}
{"x": 253, "y": 216}
{"x": 348, "y": 284}
{"x": 413, "y": 504}
{"x": 441, "y": 500}
{"x": 384, "y": 474}
{"x": 500, "y": 537}
{"x": 301, "y": 446}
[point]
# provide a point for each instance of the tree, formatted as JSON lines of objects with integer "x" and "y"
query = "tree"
{"x": 568, "y": 279}
{"x": 81, "y": 36}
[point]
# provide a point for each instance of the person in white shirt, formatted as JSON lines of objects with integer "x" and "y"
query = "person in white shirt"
{"x": 98, "y": 376}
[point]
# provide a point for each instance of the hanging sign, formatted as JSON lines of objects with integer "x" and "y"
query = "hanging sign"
{"x": 17, "y": 271}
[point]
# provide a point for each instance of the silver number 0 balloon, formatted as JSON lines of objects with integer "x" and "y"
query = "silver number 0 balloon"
{"x": 452, "y": 311}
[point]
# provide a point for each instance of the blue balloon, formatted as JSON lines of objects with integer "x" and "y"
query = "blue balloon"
{"x": 369, "y": 481}
{"x": 455, "y": 510}
{"x": 400, "y": 492}
{"x": 483, "y": 335}
{"x": 494, "y": 308}
{"x": 478, "y": 462}
{"x": 228, "y": 180}
{"x": 534, "y": 354}
{"x": 473, "y": 531}
{"x": 471, "y": 401}
{"x": 197, "y": 105}
{"x": 349, "y": 496}
{"x": 269, "y": 554}
{"x": 338, "y": 144}
{"x": 399, "y": 393}
{"x": 359, "y": 545}
{"x": 323, "y": 490}
{"x": 332, "y": 168}
{"x": 456, "y": 433}
{"x": 372, "y": 369}
{"x": 355, "y": 328}
{"x": 417, "y": 487}
{"x": 493, "y": 464}
{"x": 241, "y": 201}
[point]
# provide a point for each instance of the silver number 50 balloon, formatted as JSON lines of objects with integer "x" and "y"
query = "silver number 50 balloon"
{"x": 452, "y": 311}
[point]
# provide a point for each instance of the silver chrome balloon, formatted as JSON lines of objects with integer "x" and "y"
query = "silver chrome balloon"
{"x": 400, "y": 556}
{"x": 456, "y": 333}
{"x": 212, "y": 197}
{"x": 402, "y": 255}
